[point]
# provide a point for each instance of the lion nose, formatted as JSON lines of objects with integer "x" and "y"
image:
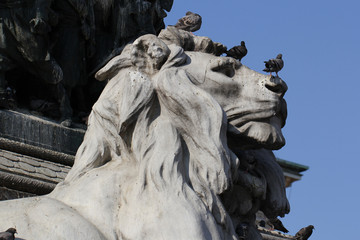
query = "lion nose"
{"x": 277, "y": 85}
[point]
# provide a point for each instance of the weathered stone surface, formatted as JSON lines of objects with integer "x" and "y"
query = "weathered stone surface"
{"x": 47, "y": 172}
{"x": 7, "y": 163}
{"x": 18, "y": 170}
{"x": 165, "y": 142}
{"x": 50, "y": 50}
{"x": 39, "y": 132}
{"x": 274, "y": 235}
{"x": 32, "y": 168}
{"x": 21, "y": 182}
{"x": 10, "y": 156}
{"x": 51, "y": 166}
{"x": 27, "y": 167}
{"x": 8, "y": 194}
{"x": 61, "y": 175}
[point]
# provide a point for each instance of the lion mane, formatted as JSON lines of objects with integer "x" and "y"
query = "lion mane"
{"x": 151, "y": 119}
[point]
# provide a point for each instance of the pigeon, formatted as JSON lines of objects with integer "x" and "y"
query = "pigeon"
{"x": 237, "y": 52}
{"x": 304, "y": 233}
{"x": 262, "y": 223}
{"x": 191, "y": 22}
{"x": 8, "y": 234}
{"x": 278, "y": 225}
{"x": 274, "y": 65}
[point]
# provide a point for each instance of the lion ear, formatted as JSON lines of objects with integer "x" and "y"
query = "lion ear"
{"x": 116, "y": 64}
{"x": 149, "y": 53}
{"x": 112, "y": 68}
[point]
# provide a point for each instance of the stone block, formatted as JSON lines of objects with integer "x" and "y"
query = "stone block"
{"x": 39, "y": 132}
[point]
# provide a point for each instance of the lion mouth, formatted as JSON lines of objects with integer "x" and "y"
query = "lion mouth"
{"x": 260, "y": 115}
{"x": 258, "y": 129}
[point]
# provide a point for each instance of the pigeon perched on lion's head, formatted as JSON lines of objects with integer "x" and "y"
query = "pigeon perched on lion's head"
{"x": 237, "y": 52}
{"x": 274, "y": 65}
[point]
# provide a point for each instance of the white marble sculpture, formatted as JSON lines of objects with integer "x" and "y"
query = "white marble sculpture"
{"x": 160, "y": 147}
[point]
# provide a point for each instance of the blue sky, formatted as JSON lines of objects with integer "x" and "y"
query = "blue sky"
{"x": 320, "y": 43}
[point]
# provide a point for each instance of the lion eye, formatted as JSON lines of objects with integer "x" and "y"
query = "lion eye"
{"x": 227, "y": 70}
{"x": 224, "y": 66}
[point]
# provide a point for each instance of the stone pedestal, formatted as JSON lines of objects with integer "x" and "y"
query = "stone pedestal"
{"x": 35, "y": 154}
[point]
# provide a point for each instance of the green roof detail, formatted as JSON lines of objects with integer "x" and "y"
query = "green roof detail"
{"x": 296, "y": 167}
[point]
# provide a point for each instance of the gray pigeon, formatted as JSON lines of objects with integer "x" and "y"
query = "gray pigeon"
{"x": 274, "y": 65}
{"x": 304, "y": 233}
{"x": 237, "y": 52}
{"x": 191, "y": 22}
{"x": 8, "y": 234}
{"x": 262, "y": 223}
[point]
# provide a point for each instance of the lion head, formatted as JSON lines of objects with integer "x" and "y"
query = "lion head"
{"x": 159, "y": 149}
{"x": 253, "y": 102}
{"x": 164, "y": 127}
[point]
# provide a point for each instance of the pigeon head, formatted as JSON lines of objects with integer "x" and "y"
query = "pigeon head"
{"x": 189, "y": 13}
{"x": 11, "y": 230}
{"x": 262, "y": 223}
{"x": 311, "y": 227}
{"x": 279, "y": 56}
{"x": 243, "y": 43}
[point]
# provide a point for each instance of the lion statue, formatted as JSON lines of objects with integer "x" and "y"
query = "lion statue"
{"x": 161, "y": 152}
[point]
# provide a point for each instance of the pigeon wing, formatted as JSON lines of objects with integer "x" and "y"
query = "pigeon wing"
{"x": 278, "y": 225}
{"x": 279, "y": 64}
{"x": 6, "y": 236}
{"x": 268, "y": 66}
{"x": 237, "y": 52}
